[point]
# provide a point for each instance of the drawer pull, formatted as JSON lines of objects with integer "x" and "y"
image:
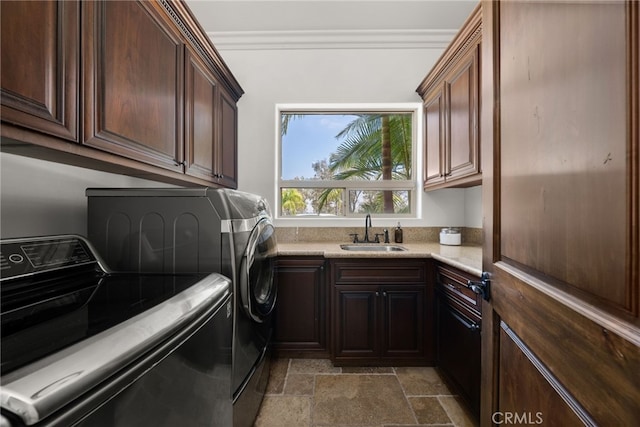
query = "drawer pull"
{"x": 468, "y": 324}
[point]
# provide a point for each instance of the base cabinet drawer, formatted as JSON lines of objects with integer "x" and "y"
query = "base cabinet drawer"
{"x": 454, "y": 283}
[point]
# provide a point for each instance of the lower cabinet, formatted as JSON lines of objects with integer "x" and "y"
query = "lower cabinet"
{"x": 459, "y": 340}
{"x": 382, "y": 312}
{"x": 301, "y": 313}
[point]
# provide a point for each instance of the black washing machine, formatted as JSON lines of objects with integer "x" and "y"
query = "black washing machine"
{"x": 201, "y": 230}
{"x": 85, "y": 346}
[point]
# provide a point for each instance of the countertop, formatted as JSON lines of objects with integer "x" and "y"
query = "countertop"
{"x": 466, "y": 258}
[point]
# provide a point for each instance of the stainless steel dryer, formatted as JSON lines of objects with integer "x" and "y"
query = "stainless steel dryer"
{"x": 247, "y": 222}
{"x": 201, "y": 230}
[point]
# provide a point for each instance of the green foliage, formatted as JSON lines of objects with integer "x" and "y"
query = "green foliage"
{"x": 361, "y": 156}
{"x": 292, "y": 202}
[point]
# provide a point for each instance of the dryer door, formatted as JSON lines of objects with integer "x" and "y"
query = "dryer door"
{"x": 257, "y": 288}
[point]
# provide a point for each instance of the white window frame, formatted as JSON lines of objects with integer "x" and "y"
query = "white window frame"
{"x": 413, "y": 186}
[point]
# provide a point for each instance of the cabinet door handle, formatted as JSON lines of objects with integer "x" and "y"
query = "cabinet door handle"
{"x": 467, "y": 324}
{"x": 384, "y": 294}
{"x": 483, "y": 287}
{"x": 377, "y": 293}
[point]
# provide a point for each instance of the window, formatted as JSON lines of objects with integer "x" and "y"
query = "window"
{"x": 347, "y": 161}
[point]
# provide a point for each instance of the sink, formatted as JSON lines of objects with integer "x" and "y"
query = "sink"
{"x": 373, "y": 248}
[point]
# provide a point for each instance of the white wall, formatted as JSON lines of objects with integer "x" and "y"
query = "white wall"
{"x": 329, "y": 75}
{"x": 41, "y": 198}
{"x": 473, "y": 207}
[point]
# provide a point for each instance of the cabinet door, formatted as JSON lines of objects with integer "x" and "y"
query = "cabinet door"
{"x": 40, "y": 69}
{"x": 227, "y": 145}
{"x": 200, "y": 124}
{"x": 461, "y": 153}
{"x": 459, "y": 351}
{"x": 404, "y": 320}
{"x": 300, "y": 316}
{"x": 434, "y": 138}
{"x": 133, "y": 98}
{"x": 356, "y": 322}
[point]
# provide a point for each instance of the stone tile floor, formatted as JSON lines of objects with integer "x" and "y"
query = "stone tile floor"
{"x": 314, "y": 393}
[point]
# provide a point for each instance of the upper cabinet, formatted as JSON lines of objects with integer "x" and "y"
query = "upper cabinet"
{"x": 210, "y": 126}
{"x": 40, "y": 69}
{"x": 452, "y": 112}
{"x": 133, "y": 82}
{"x": 156, "y": 99}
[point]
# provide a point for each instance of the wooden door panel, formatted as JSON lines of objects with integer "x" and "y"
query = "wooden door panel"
{"x": 133, "y": 102}
{"x": 228, "y": 143}
{"x": 570, "y": 339}
{"x": 200, "y": 126}
{"x": 40, "y": 69}
{"x": 462, "y": 152}
{"x": 574, "y": 135}
{"x": 404, "y": 322}
{"x": 560, "y": 195}
{"x": 356, "y": 328}
{"x": 434, "y": 135}
{"x": 300, "y": 315}
{"x": 528, "y": 395}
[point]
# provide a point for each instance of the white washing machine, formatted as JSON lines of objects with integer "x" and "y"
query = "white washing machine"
{"x": 200, "y": 230}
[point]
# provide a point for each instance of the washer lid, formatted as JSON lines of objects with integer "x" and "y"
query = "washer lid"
{"x": 111, "y": 331}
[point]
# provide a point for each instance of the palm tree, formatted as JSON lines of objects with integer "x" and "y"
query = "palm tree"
{"x": 285, "y": 119}
{"x": 292, "y": 201}
{"x": 375, "y": 147}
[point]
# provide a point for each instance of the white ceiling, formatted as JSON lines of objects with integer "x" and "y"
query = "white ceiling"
{"x": 220, "y": 16}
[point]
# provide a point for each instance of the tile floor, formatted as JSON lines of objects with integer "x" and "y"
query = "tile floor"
{"x": 314, "y": 393}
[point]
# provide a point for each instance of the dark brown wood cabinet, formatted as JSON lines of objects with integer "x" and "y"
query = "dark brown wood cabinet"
{"x": 133, "y": 82}
{"x": 210, "y": 125}
{"x": 302, "y": 313}
{"x": 200, "y": 94}
{"x": 458, "y": 324}
{"x": 382, "y": 312}
{"x": 138, "y": 84}
{"x": 39, "y": 48}
{"x": 452, "y": 112}
{"x": 226, "y": 147}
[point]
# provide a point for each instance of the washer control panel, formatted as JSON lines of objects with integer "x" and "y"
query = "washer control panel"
{"x": 34, "y": 255}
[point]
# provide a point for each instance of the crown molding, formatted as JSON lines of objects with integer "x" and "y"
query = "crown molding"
{"x": 332, "y": 39}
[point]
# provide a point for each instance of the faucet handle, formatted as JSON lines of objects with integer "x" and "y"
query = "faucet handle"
{"x": 355, "y": 237}
{"x": 377, "y": 239}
